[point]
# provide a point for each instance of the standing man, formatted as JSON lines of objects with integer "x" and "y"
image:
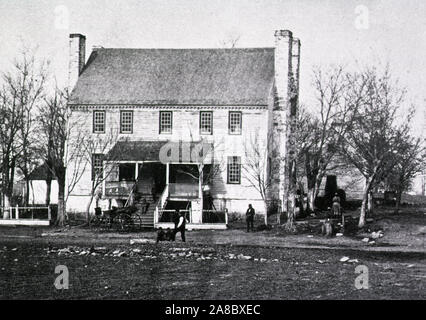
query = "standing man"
{"x": 180, "y": 226}
{"x": 250, "y": 218}
{"x": 336, "y": 205}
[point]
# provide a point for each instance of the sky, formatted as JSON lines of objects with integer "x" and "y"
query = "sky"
{"x": 348, "y": 32}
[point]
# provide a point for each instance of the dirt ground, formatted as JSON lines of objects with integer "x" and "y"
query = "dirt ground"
{"x": 229, "y": 264}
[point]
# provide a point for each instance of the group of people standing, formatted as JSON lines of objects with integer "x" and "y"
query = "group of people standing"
{"x": 180, "y": 221}
{"x": 180, "y": 225}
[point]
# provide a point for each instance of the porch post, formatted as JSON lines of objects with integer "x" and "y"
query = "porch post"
{"x": 103, "y": 178}
{"x": 167, "y": 172}
{"x": 136, "y": 171}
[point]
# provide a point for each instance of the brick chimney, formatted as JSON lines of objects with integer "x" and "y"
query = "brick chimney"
{"x": 286, "y": 65}
{"x": 291, "y": 174}
{"x": 77, "y": 56}
{"x": 282, "y": 67}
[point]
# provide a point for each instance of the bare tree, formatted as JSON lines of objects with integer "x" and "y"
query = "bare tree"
{"x": 54, "y": 131}
{"x": 30, "y": 93}
{"x": 374, "y": 135}
{"x": 318, "y": 134}
{"x": 255, "y": 167}
{"x": 93, "y": 152}
{"x": 9, "y": 128}
{"x": 410, "y": 160}
{"x": 22, "y": 90}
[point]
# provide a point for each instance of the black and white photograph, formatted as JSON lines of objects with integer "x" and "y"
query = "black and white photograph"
{"x": 212, "y": 155}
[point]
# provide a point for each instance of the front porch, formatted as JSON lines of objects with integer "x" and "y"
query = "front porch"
{"x": 155, "y": 188}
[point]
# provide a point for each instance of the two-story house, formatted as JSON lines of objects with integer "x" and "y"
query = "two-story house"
{"x": 165, "y": 103}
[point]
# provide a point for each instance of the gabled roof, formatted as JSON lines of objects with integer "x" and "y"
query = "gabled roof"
{"x": 176, "y": 77}
{"x": 41, "y": 173}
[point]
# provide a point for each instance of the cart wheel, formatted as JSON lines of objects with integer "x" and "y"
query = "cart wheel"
{"x": 124, "y": 222}
{"x": 104, "y": 223}
{"x": 94, "y": 223}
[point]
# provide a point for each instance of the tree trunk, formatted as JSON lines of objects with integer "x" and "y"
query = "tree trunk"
{"x": 60, "y": 218}
{"x": 398, "y": 200}
{"x": 32, "y": 192}
{"x": 27, "y": 193}
{"x": 364, "y": 203}
{"x": 92, "y": 195}
{"x": 311, "y": 200}
{"x": 6, "y": 206}
{"x": 291, "y": 205}
{"x": 6, "y": 188}
{"x": 279, "y": 211}
{"x": 265, "y": 204}
{"x": 48, "y": 191}
{"x": 313, "y": 191}
{"x": 370, "y": 203}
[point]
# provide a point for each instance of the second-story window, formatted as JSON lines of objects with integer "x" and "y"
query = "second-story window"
{"x": 126, "y": 121}
{"x": 98, "y": 121}
{"x": 166, "y": 121}
{"x": 206, "y": 122}
{"x": 235, "y": 122}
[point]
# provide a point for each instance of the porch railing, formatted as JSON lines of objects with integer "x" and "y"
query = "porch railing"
{"x": 118, "y": 188}
{"x": 169, "y": 215}
{"x": 27, "y": 213}
{"x": 215, "y": 216}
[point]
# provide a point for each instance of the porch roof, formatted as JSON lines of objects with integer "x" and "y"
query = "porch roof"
{"x": 150, "y": 151}
{"x": 136, "y": 151}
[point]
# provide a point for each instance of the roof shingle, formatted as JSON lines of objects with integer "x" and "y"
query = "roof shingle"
{"x": 176, "y": 77}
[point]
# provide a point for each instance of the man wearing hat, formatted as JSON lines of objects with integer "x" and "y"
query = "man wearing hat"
{"x": 180, "y": 226}
{"x": 250, "y": 218}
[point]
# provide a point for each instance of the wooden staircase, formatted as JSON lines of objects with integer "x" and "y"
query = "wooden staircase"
{"x": 147, "y": 217}
{"x": 143, "y": 191}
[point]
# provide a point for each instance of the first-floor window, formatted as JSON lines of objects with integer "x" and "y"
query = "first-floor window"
{"x": 98, "y": 121}
{"x": 234, "y": 170}
{"x": 126, "y": 121}
{"x": 166, "y": 121}
{"x": 97, "y": 166}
